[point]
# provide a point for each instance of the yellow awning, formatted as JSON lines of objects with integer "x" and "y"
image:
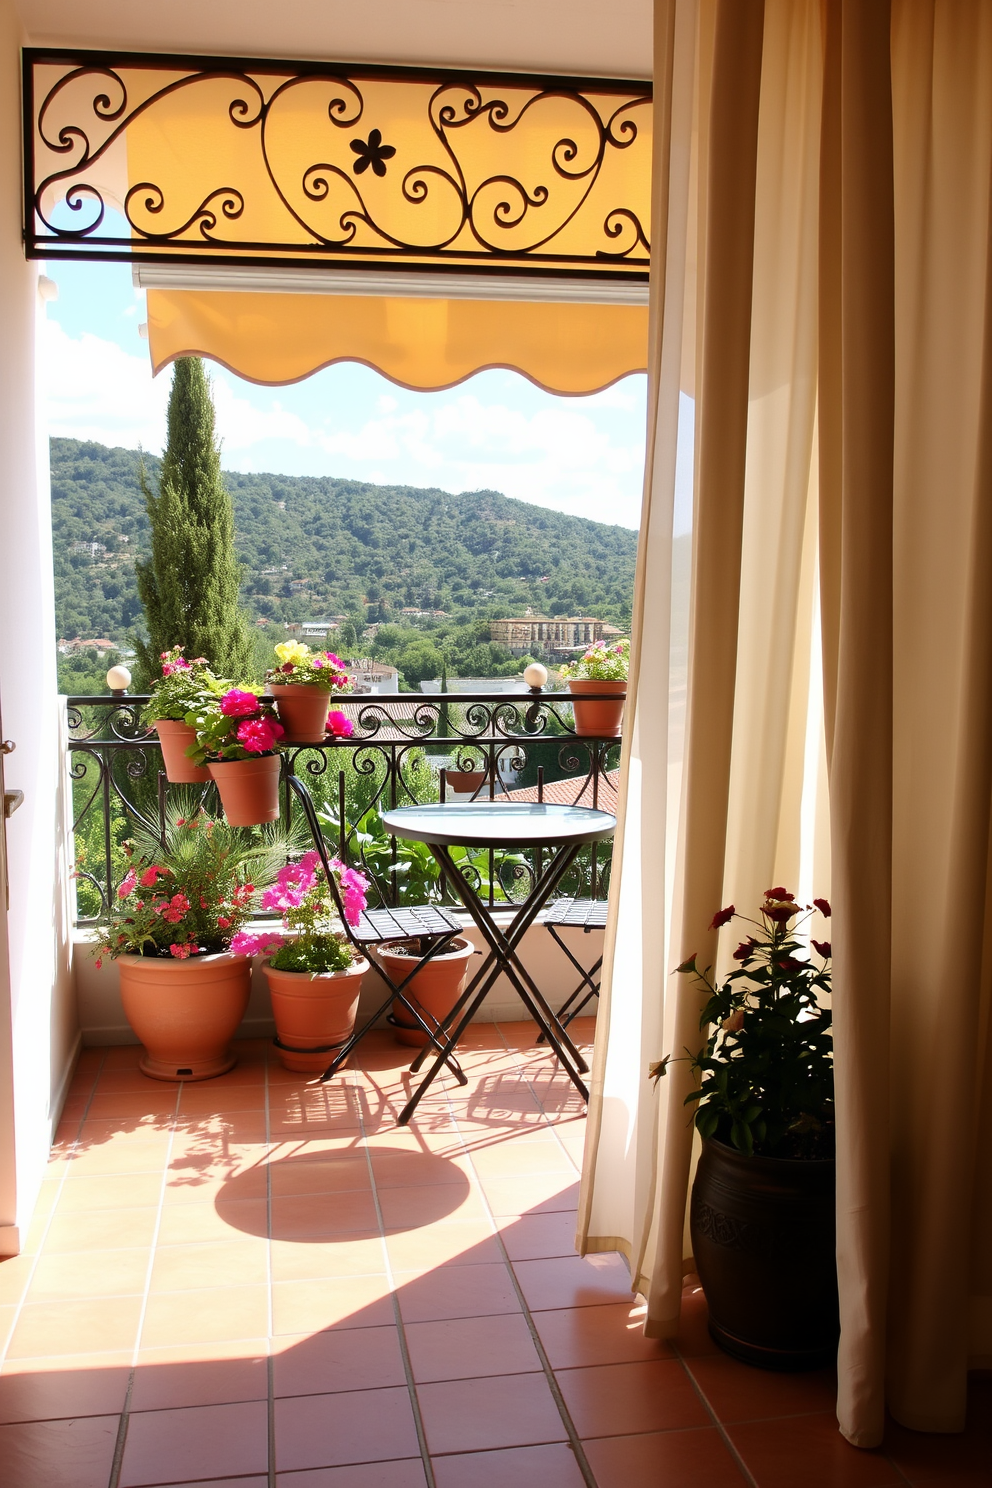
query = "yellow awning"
{"x": 418, "y": 343}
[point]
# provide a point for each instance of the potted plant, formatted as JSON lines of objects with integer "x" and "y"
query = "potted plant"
{"x": 169, "y": 929}
{"x": 302, "y": 685}
{"x": 603, "y": 669}
{"x": 464, "y": 775}
{"x": 434, "y": 989}
{"x": 183, "y": 686}
{"x": 237, "y": 737}
{"x": 762, "y": 1209}
{"x": 315, "y": 976}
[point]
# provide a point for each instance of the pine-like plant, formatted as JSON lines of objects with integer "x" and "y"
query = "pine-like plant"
{"x": 189, "y": 586}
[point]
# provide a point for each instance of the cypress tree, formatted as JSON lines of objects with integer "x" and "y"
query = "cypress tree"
{"x": 189, "y": 586}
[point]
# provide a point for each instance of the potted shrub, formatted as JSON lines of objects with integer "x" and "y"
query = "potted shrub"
{"x": 762, "y": 1209}
{"x": 237, "y": 737}
{"x": 183, "y": 686}
{"x": 170, "y": 927}
{"x": 603, "y": 669}
{"x": 302, "y": 685}
{"x": 315, "y": 976}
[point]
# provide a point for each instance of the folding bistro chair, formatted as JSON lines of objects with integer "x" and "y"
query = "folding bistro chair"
{"x": 584, "y": 914}
{"x": 429, "y": 924}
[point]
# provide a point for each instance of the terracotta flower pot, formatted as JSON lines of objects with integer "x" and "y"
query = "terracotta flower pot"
{"x": 174, "y": 739}
{"x": 763, "y": 1240}
{"x": 466, "y": 782}
{"x": 249, "y": 789}
{"x": 302, "y": 711}
{"x": 435, "y": 989}
{"x": 600, "y": 720}
{"x": 185, "y": 1012}
{"x": 314, "y": 1013}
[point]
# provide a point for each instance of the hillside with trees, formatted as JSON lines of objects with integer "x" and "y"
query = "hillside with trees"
{"x": 317, "y": 547}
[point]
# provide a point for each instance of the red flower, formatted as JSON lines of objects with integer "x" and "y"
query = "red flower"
{"x": 223, "y": 922}
{"x": 779, "y": 894}
{"x": 822, "y": 948}
{"x": 745, "y": 948}
{"x": 180, "y": 951}
{"x": 150, "y": 876}
{"x": 823, "y": 907}
{"x": 722, "y": 916}
{"x": 790, "y": 964}
{"x": 239, "y": 704}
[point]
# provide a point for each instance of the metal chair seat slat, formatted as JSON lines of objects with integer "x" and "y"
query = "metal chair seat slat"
{"x": 402, "y": 924}
{"x": 582, "y": 913}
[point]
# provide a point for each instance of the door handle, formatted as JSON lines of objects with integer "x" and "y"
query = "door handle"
{"x": 7, "y": 747}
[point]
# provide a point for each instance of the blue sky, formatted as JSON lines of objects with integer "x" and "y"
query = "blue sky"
{"x": 496, "y": 431}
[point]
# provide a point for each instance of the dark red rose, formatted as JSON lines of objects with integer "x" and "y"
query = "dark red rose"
{"x": 823, "y": 907}
{"x": 790, "y": 964}
{"x": 745, "y": 948}
{"x": 722, "y": 916}
{"x": 822, "y": 948}
{"x": 778, "y": 894}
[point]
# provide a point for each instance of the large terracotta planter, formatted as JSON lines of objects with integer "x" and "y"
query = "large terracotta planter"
{"x": 249, "y": 789}
{"x": 185, "y": 1012}
{"x": 302, "y": 711}
{"x": 174, "y": 739}
{"x": 314, "y": 1013}
{"x": 435, "y": 989}
{"x": 600, "y": 720}
{"x": 763, "y": 1239}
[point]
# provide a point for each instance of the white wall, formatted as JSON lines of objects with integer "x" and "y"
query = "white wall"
{"x": 37, "y": 1005}
{"x": 102, "y": 1020}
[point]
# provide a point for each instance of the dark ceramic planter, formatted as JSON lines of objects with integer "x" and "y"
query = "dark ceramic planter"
{"x": 763, "y": 1239}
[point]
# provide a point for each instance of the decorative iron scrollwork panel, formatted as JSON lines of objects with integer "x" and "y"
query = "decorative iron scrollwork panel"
{"x": 160, "y": 157}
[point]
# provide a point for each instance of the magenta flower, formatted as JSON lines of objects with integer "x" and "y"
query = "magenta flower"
{"x": 239, "y": 704}
{"x": 128, "y": 884}
{"x": 340, "y": 725}
{"x": 247, "y": 944}
{"x": 354, "y": 890}
{"x": 180, "y": 951}
{"x": 259, "y": 735}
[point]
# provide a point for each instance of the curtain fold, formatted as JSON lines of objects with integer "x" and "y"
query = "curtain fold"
{"x": 830, "y": 303}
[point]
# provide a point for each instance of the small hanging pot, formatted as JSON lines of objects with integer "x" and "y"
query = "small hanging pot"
{"x": 175, "y": 738}
{"x": 302, "y": 711}
{"x": 249, "y": 789}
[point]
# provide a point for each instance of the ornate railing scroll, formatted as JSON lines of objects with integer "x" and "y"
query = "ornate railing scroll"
{"x": 405, "y": 749}
{"x": 159, "y": 157}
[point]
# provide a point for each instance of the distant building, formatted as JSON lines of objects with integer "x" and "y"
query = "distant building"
{"x": 99, "y": 644}
{"x": 538, "y": 633}
{"x": 318, "y": 627}
{"x": 370, "y": 676}
{"x": 261, "y": 620}
{"x": 477, "y": 684}
{"x": 298, "y": 585}
{"x": 92, "y": 548}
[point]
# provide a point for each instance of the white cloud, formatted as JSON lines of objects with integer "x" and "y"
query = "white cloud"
{"x": 97, "y": 390}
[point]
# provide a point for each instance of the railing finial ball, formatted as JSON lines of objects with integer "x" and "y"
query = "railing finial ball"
{"x": 118, "y": 680}
{"x": 535, "y": 676}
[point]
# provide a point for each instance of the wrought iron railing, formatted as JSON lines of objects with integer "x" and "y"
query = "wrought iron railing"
{"x": 405, "y": 749}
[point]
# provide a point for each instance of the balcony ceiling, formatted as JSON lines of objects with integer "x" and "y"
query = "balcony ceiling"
{"x": 585, "y": 37}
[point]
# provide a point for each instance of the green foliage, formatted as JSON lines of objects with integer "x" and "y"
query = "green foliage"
{"x": 601, "y": 663}
{"x": 189, "y": 585}
{"x": 84, "y": 674}
{"x": 183, "y": 687}
{"x": 318, "y": 953}
{"x": 365, "y": 552}
{"x": 766, "y": 1069}
{"x": 240, "y": 725}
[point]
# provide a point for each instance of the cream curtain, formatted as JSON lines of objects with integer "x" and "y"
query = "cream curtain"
{"x": 822, "y": 183}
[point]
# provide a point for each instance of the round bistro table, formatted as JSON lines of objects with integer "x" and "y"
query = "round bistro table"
{"x": 561, "y": 830}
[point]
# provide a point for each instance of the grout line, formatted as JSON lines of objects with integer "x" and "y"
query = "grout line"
{"x": 269, "y": 1361}
{"x": 574, "y": 1440}
{"x": 725, "y": 1436}
{"x": 118, "y": 1458}
{"x": 67, "y": 1168}
{"x": 411, "y": 1383}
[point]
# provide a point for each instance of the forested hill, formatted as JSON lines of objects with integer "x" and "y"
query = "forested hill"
{"x": 314, "y": 547}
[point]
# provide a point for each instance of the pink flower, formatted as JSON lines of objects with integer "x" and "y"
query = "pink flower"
{"x": 292, "y": 885}
{"x": 265, "y": 944}
{"x": 722, "y": 916}
{"x": 128, "y": 884}
{"x": 239, "y": 704}
{"x": 151, "y": 876}
{"x": 259, "y": 735}
{"x": 174, "y": 909}
{"x": 354, "y": 890}
{"x": 340, "y": 725}
{"x": 180, "y": 951}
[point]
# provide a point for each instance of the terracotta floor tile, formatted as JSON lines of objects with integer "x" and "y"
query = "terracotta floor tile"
{"x": 96, "y": 1325}
{"x": 354, "y": 1426}
{"x": 510, "y": 1410}
{"x": 466, "y": 1242}
{"x": 46, "y": 1390}
{"x": 620, "y": 1399}
{"x": 162, "y": 1101}
{"x": 189, "y": 1185}
{"x": 409, "y": 1473}
{"x": 668, "y": 1459}
{"x": 15, "y": 1272}
{"x": 344, "y": 1359}
{"x": 178, "y": 1268}
{"x": 736, "y": 1392}
{"x": 59, "y": 1454}
{"x": 516, "y": 1467}
{"x": 131, "y": 1080}
{"x": 549, "y": 1193}
{"x": 574, "y": 1281}
{"x": 105, "y": 1229}
{"x": 121, "y": 1056}
{"x": 808, "y": 1450}
{"x": 252, "y": 1482}
{"x": 962, "y": 1459}
{"x": 349, "y": 1302}
{"x": 94, "y": 1273}
{"x": 352, "y": 1254}
{"x": 535, "y": 1237}
{"x": 167, "y": 1378}
{"x": 318, "y": 1216}
{"x": 110, "y": 1191}
{"x": 120, "y": 1156}
{"x": 327, "y": 1173}
{"x": 409, "y": 1208}
{"x": 207, "y": 1099}
{"x": 222, "y": 1314}
{"x": 185, "y": 1224}
{"x": 580, "y": 1336}
{"x": 8, "y": 1316}
{"x": 693, "y": 1337}
{"x": 467, "y": 1348}
{"x": 399, "y": 1168}
{"x": 456, "y": 1292}
{"x": 205, "y": 1441}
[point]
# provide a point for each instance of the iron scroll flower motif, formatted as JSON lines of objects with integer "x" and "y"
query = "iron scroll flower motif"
{"x": 549, "y": 175}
